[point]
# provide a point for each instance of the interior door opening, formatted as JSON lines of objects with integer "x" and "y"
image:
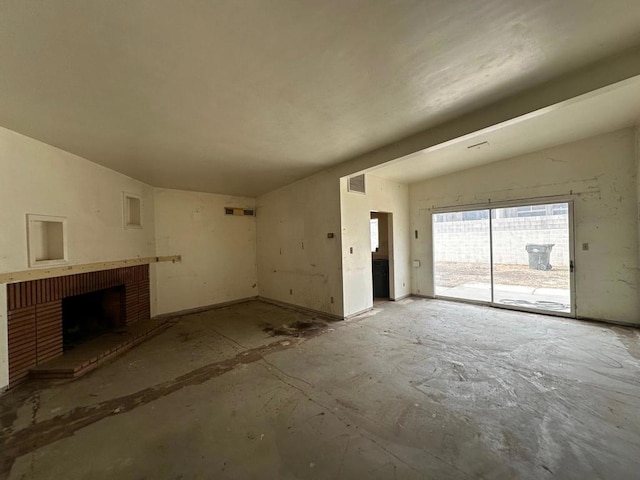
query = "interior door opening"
{"x": 381, "y": 255}
{"x": 518, "y": 257}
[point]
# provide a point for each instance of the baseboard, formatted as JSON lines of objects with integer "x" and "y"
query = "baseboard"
{"x": 419, "y": 295}
{"x": 330, "y": 316}
{"x": 214, "y": 306}
{"x": 609, "y": 322}
{"x": 298, "y": 308}
{"x": 397, "y": 299}
{"x": 368, "y": 309}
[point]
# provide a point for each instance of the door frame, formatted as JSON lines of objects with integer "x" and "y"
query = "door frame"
{"x": 391, "y": 253}
{"x": 568, "y": 199}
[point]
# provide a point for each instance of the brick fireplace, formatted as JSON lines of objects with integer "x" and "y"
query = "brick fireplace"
{"x": 112, "y": 298}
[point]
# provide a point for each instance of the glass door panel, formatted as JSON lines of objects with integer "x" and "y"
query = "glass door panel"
{"x": 462, "y": 255}
{"x": 531, "y": 257}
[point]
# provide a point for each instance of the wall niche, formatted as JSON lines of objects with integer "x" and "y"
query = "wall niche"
{"x": 47, "y": 240}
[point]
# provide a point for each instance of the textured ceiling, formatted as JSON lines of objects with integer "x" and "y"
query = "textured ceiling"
{"x": 243, "y": 97}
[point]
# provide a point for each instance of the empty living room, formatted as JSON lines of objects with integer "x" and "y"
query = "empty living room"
{"x": 340, "y": 239}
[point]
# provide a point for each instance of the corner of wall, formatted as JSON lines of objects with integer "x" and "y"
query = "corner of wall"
{"x": 218, "y": 251}
{"x": 4, "y": 340}
{"x": 298, "y": 262}
{"x": 422, "y": 251}
{"x": 637, "y": 159}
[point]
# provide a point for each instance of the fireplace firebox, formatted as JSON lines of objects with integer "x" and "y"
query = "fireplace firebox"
{"x": 89, "y": 315}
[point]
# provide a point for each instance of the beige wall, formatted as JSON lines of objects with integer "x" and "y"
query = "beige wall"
{"x": 297, "y": 262}
{"x": 218, "y": 251}
{"x": 599, "y": 173}
{"x": 384, "y": 196}
{"x": 40, "y": 179}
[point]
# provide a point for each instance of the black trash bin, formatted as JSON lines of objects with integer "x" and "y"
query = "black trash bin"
{"x": 539, "y": 255}
{"x": 380, "y": 272}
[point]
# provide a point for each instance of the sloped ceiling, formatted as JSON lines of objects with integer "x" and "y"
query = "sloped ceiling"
{"x": 605, "y": 110}
{"x": 243, "y": 97}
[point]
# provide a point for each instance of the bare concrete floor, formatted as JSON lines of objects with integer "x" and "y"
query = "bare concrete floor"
{"x": 416, "y": 389}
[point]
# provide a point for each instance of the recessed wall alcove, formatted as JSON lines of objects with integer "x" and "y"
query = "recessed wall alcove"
{"x": 110, "y": 299}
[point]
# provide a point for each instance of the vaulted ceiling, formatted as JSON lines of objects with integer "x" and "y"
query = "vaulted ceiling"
{"x": 242, "y": 97}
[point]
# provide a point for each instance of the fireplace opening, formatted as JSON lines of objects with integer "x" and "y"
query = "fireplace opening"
{"x": 90, "y": 315}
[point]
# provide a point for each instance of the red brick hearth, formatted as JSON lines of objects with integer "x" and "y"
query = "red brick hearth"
{"x": 35, "y": 311}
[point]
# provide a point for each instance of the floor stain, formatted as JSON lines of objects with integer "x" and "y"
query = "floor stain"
{"x": 295, "y": 329}
{"x": 184, "y": 336}
{"x": 460, "y": 371}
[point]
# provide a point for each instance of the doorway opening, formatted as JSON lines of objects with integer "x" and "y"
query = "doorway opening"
{"x": 381, "y": 255}
{"x": 517, "y": 257}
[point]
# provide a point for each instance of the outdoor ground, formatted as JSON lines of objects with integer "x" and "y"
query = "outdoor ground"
{"x": 452, "y": 274}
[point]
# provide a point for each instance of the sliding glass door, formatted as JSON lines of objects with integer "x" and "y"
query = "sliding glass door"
{"x": 518, "y": 257}
{"x": 462, "y": 255}
{"x": 531, "y": 257}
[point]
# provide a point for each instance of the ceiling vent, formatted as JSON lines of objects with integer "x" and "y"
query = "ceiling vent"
{"x": 356, "y": 184}
{"x": 239, "y": 212}
{"x": 478, "y": 146}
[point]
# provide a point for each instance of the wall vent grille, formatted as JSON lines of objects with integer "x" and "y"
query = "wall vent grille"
{"x": 356, "y": 184}
{"x": 239, "y": 212}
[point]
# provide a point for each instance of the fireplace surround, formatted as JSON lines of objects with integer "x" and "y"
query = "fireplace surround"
{"x": 35, "y": 311}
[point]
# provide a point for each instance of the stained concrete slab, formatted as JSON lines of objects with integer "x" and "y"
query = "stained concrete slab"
{"x": 413, "y": 389}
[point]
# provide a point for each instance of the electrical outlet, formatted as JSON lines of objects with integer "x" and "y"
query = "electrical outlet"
{"x": 331, "y": 299}
{"x": 585, "y": 246}
{"x": 291, "y": 291}
{"x": 350, "y": 249}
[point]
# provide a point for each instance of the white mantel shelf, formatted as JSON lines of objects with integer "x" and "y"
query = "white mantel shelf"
{"x": 59, "y": 271}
